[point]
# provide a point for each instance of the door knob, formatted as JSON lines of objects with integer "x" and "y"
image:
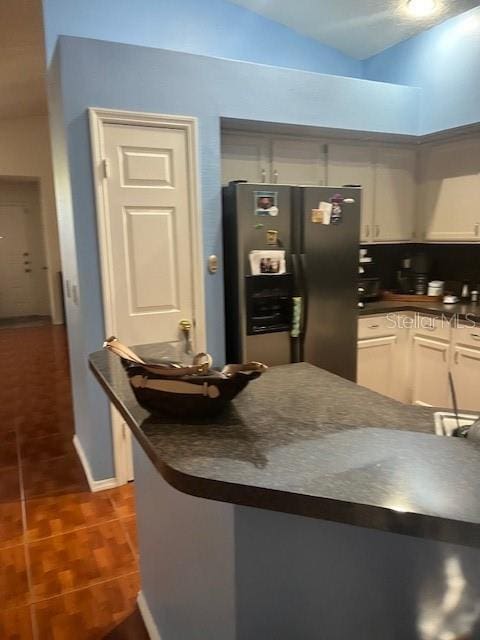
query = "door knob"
{"x": 185, "y": 325}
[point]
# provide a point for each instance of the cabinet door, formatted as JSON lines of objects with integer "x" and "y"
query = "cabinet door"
{"x": 394, "y": 205}
{"x": 245, "y": 158}
{"x": 466, "y": 376}
{"x": 430, "y": 372}
{"x": 376, "y": 364}
{"x": 450, "y": 191}
{"x": 298, "y": 161}
{"x": 354, "y": 164}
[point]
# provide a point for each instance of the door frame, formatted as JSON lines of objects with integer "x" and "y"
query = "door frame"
{"x": 98, "y": 118}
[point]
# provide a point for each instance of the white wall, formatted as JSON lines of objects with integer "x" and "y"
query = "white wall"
{"x": 25, "y": 152}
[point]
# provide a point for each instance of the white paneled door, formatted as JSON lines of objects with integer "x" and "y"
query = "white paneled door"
{"x": 145, "y": 169}
{"x": 148, "y": 204}
{"x": 16, "y": 276}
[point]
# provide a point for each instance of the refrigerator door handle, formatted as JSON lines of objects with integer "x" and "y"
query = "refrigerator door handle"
{"x": 299, "y": 290}
{"x": 303, "y": 294}
{"x": 298, "y": 310}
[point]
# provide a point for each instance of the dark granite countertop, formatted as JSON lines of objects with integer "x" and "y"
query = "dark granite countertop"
{"x": 303, "y": 441}
{"x": 462, "y": 311}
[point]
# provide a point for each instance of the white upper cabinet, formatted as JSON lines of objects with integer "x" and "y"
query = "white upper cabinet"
{"x": 298, "y": 161}
{"x": 354, "y": 164}
{"x": 394, "y": 203}
{"x": 441, "y": 206}
{"x": 449, "y": 193}
{"x": 245, "y": 157}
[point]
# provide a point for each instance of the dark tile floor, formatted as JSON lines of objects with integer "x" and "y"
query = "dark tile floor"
{"x": 68, "y": 557}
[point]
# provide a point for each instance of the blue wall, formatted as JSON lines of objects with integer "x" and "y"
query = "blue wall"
{"x": 102, "y": 74}
{"x": 208, "y": 27}
{"x": 445, "y": 63}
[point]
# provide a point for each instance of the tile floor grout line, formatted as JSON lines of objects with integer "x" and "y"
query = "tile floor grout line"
{"x": 65, "y": 533}
{"x": 127, "y": 535}
{"x": 87, "y": 586}
{"x": 26, "y": 552}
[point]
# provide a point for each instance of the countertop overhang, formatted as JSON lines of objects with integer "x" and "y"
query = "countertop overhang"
{"x": 303, "y": 441}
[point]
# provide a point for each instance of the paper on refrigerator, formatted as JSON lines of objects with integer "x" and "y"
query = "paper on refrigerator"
{"x": 263, "y": 262}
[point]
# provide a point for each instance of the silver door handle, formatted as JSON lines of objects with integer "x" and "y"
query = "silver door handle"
{"x": 185, "y": 328}
{"x": 275, "y": 176}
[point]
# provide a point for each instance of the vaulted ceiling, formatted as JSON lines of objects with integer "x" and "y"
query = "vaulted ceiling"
{"x": 359, "y": 28}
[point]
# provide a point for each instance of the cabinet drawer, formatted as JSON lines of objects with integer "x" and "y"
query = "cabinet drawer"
{"x": 467, "y": 335}
{"x": 432, "y": 327}
{"x": 377, "y": 326}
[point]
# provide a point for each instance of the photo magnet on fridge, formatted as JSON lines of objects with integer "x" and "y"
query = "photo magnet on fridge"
{"x": 323, "y": 214}
{"x": 266, "y": 203}
{"x": 272, "y": 237}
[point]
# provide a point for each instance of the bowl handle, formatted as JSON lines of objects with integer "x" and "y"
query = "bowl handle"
{"x": 175, "y": 386}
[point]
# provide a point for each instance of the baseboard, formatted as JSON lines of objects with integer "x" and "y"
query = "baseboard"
{"x": 95, "y": 485}
{"x": 148, "y": 620}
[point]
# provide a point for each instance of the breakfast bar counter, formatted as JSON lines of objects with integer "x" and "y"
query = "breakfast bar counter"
{"x": 309, "y": 488}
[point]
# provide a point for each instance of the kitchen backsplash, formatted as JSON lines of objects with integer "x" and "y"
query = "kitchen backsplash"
{"x": 453, "y": 263}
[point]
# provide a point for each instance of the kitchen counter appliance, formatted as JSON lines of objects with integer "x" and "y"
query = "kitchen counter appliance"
{"x": 308, "y": 312}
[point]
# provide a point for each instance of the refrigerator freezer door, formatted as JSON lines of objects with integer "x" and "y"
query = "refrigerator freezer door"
{"x": 330, "y": 262}
{"x": 257, "y": 217}
{"x": 263, "y": 214}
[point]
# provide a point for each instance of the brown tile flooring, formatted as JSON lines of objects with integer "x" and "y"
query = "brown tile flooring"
{"x": 68, "y": 557}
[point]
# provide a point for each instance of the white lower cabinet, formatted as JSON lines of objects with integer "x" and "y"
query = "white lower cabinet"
{"x": 466, "y": 367}
{"x": 382, "y": 355}
{"x": 375, "y": 368}
{"x": 408, "y": 356}
{"x": 430, "y": 360}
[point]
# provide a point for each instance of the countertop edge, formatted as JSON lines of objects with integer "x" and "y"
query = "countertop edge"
{"x": 458, "y": 310}
{"x": 324, "y": 508}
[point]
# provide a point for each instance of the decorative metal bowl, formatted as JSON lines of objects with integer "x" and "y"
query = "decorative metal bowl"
{"x": 171, "y": 389}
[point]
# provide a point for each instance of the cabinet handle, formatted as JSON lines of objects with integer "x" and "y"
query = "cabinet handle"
{"x": 475, "y": 336}
{"x": 456, "y": 357}
{"x": 367, "y": 231}
{"x": 377, "y": 230}
{"x": 477, "y": 229}
{"x": 374, "y": 326}
{"x": 275, "y": 176}
{"x": 264, "y": 175}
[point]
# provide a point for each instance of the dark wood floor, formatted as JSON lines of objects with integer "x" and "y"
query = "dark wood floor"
{"x": 68, "y": 557}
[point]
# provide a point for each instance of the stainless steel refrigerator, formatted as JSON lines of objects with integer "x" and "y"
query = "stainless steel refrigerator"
{"x": 306, "y": 310}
